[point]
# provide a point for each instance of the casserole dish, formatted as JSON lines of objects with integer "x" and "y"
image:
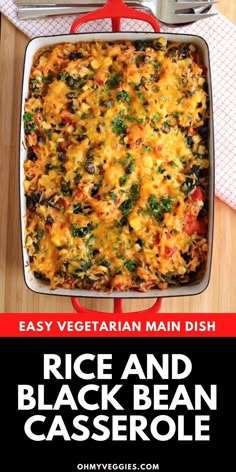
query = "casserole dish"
{"x": 37, "y": 43}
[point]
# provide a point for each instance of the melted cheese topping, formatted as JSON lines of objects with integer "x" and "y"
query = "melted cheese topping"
{"x": 116, "y": 169}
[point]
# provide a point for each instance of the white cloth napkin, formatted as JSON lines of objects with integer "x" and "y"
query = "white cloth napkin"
{"x": 220, "y": 35}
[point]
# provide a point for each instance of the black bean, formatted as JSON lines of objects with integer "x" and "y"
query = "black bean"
{"x": 41, "y": 139}
{"x": 70, "y": 81}
{"x": 31, "y": 156}
{"x": 140, "y": 242}
{"x": 196, "y": 170}
{"x": 190, "y": 141}
{"x": 157, "y": 46}
{"x": 80, "y": 232}
{"x": 77, "y": 179}
{"x": 89, "y": 282}
{"x": 95, "y": 252}
{"x": 140, "y": 45}
{"x": 105, "y": 264}
{"x": 94, "y": 190}
{"x": 189, "y": 184}
{"x": 203, "y": 131}
{"x": 65, "y": 188}
{"x": 183, "y": 51}
{"x": 123, "y": 221}
{"x": 71, "y": 107}
{"x": 129, "y": 168}
{"x": 144, "y": 58}
{"x": 81, "y": 137}
{"x": 49, "y": 220}
{"x": 38, "y": 110}
{"x": 36, "y": 95}
{"x": 40, "y": 276}
{"x": 138, "y": 87}
{"x": 45, "y": 202}
{"x": 77, "y": 208}
{"x": 166, "y": 127}
{"x": 35, "y": 196}
{"x": 187, "y": 257}
{"x": 167, "y": 176}
{"x": 61, "y": 169}
{"x": 190, "y": 93}
{"x": 202, "y": 214}
{"x": 75, "y": 55}
{"x": 89, "y": 167}
{"x": 49, "y": 167}
{"x": 90, "y": 153}
{"x": 154, "y": 77}
{"x": 62, "y": 157}
{"x": 71, "y": 95}
{"x": 30, "y": 204}
{"x": 60, "y": 75}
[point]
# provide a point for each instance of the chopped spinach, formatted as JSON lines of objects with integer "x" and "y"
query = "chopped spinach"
{"x": 131, "y": 265}
{"x": 113, "y": 81}
{"x": 126, "y": 206}
{"x": 82, "y": 231}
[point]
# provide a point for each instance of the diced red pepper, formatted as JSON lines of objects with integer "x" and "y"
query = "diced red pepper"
{"x": 197, "y": 226}
{"x": 66, "y": 120}
{"x": 196, "y": 57}
{"x": 191, "y": 131}
{"x": 170, "y": 250}
{"x": 63, "y": 145}
{"x": 198, "y": 195}
{"x": 99, "y": 81}
{"x": 60, "y": 205}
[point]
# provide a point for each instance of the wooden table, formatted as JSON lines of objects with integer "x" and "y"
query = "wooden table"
{"x": 220, "y": 296}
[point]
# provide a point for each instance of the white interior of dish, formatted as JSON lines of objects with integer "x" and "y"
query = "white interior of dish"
{"x": 38, "y": 286}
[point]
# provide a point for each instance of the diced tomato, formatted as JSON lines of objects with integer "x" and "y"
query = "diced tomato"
{"x": 190, "y": 217}
{"x": 204, "y": 70}
{"x": 196, "y": 57}
{"x": 198, "y": 195}
{"x": 191, "y": 131}
{"x": 197, "y": 226}
{"x": 170, "y": 250}
{"x": 66, "y": 120}
{"x": 60, "y": 204}
{"x": 158, "y": 147}
{"x": 99, "y": 81}
{"x": 157, "y": 239}
{"x": 63, "y": 145}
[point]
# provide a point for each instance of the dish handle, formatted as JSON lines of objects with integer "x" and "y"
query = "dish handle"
{"x": 115, "y": 10}
{"x": 118, "y": 308}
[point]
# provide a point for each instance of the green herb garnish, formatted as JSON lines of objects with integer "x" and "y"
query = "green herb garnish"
{"x": 160, "y": 207}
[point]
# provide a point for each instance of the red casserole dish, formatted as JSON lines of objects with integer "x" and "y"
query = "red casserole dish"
{"x": 122, "y": 11}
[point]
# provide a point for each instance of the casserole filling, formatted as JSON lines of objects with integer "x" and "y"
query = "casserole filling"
{"x": 116, "y": 175}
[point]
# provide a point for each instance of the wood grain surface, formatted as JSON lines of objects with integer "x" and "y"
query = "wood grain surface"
{"x": 220, "y": 296}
